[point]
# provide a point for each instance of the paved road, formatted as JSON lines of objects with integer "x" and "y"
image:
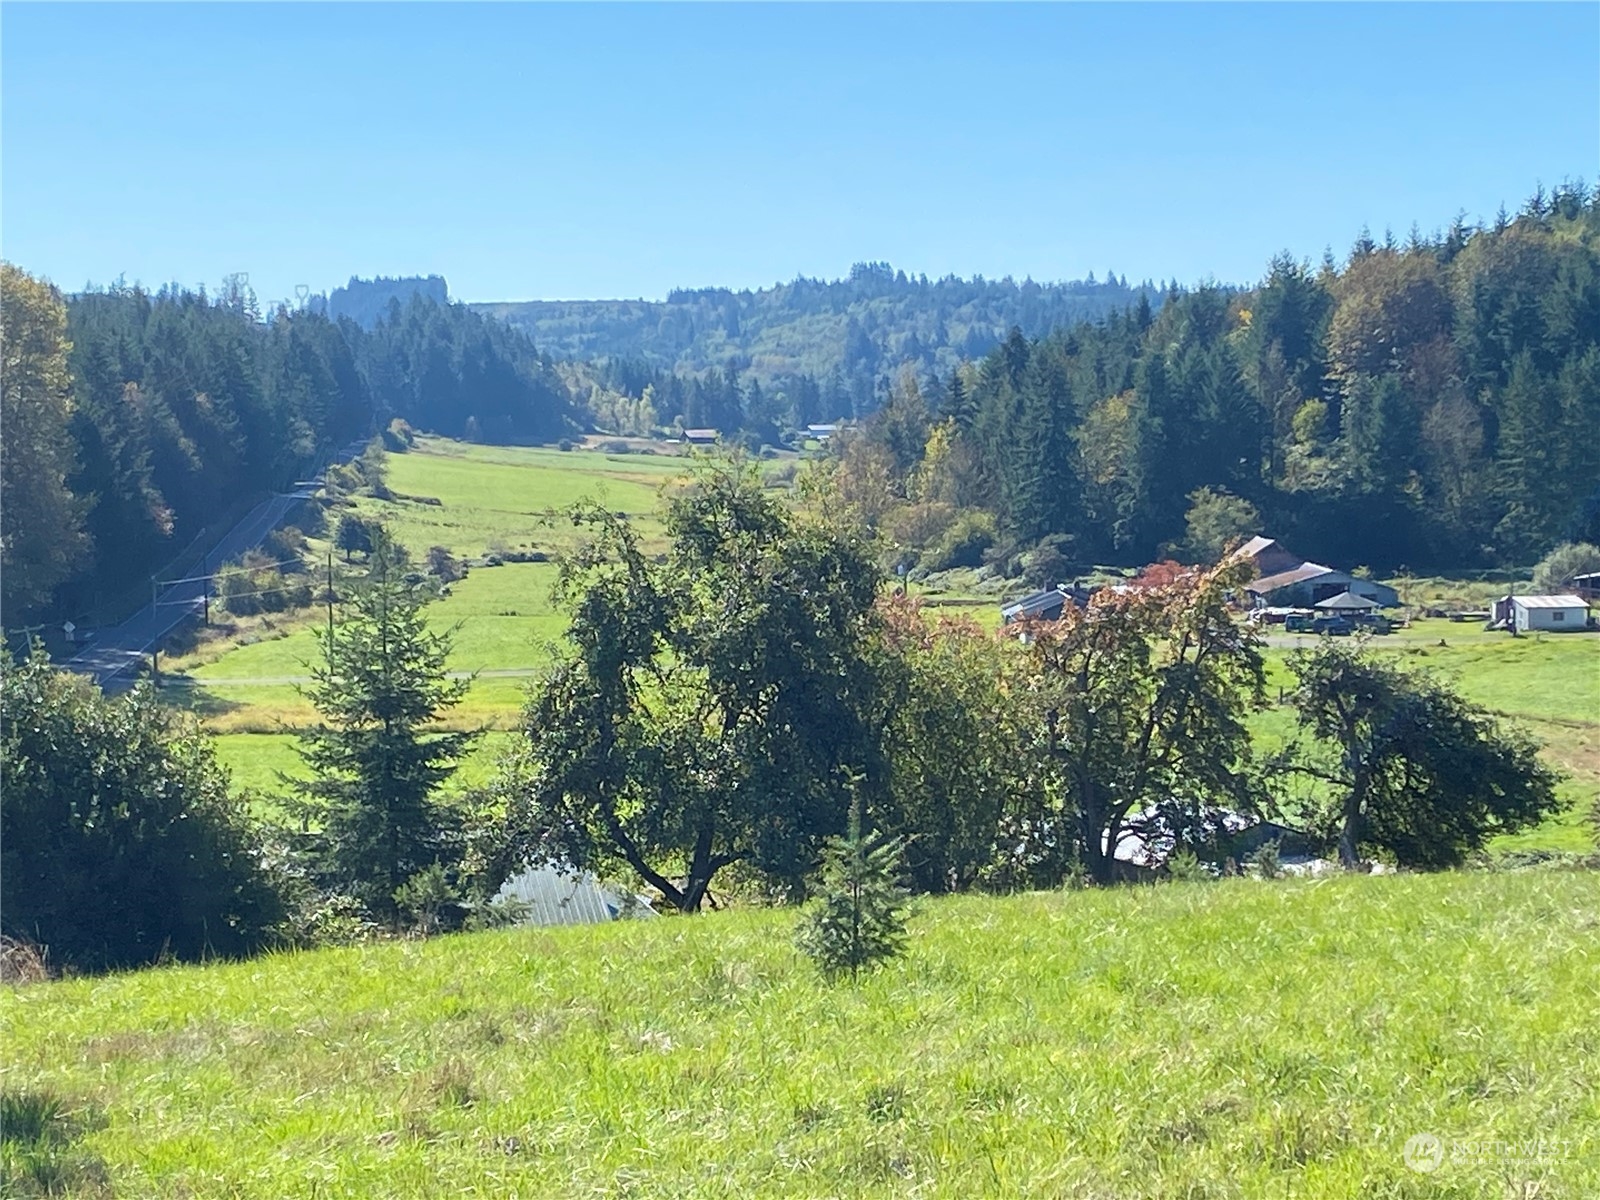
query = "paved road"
{"x": 288, "y": 680}
{"x": 112, "y": 659}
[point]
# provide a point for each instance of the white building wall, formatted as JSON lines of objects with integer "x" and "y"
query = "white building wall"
{"x": 1555, "y": 620}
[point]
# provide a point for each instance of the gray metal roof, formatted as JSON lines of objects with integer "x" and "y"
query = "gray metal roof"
{"x": 1032, "y": 606}
{"x": 561, "y": 897}
{"x": 1348, "y": 600}
{"x": 1283, "y": 579}
{"x": 1550, "y": 601}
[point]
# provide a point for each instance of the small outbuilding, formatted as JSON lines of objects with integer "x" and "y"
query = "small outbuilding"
{"x": 1347, "y": 602}
{"x": 701, "y": 437}
{"x": 1552, "y": 614}
{"x": 557, "y": 896}
{"x": 1047, "y": 605}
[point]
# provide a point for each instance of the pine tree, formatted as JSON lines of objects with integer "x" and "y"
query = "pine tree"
{"x": 376, "y": 767}
{"x": 860, "y": 920}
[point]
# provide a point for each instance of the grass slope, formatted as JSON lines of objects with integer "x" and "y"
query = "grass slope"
{"x": 1239, "y": 1039}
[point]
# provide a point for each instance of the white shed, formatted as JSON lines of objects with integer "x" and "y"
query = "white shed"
{"x": 1557, "y": 614}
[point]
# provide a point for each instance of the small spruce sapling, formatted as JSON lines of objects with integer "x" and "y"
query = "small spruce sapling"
{"x": 1185, "y": 867}
{"x": 860, "y": 918}
{"x": 1266, "y": 861}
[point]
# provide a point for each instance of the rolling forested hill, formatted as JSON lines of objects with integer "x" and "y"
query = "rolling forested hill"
{"x": 867, "y": 325}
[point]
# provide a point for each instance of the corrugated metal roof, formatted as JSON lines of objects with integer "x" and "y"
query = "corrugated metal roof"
{"x": 1032, "y": 606}
{"x": 1550, "y": 601}
{"x": 1305, "y": 571}
{"x": 1254, "y": 547}
{"x": 558, "y": 897}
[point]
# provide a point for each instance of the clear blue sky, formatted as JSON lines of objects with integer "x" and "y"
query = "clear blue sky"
{"x": 527, "y": 151}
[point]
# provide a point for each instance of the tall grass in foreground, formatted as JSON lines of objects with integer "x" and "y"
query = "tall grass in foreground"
{"x": 1237, "y": 1039}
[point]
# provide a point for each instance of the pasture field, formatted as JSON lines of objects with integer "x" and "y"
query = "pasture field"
{"x": 502, "y": 623}
{"x": 492, "y": 499}
{"x": 501, "y": 495}
{"x": 1239, "y": 1039}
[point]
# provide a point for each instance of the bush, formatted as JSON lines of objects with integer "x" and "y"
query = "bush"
{"x": 444, "y": 564}
{"x": 426, "y": 899}
{"x": 122, "y": 843}
{"x": 963, "y": 544}
{"x": 287, "y": 547}
{"x": 919, "y": 525}
{"x": 399, "y": 437}
{"x": 1266, "y": 861}
{"x": 255, "y": 584}
{"x": 564, "y": 444}
{"x": 1047, "y": 563}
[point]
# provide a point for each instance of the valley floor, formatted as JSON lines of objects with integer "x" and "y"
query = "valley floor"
{"x": 502, "y": 622}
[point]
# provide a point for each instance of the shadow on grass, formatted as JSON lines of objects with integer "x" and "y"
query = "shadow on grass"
{"x": 192, "y": 696}
{"x": 38, "y": 1154}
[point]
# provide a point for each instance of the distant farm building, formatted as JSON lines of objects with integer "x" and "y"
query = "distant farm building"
{"x": 1553, "y": 614}
{"x": 1286, "y": 580}
{"x": 1587, "y": 586}
{"x": 821, "y": 432}
{"x": 701, "y": 437}
{"x": 554, "y": 896}
{"x": 1047, "y": 605}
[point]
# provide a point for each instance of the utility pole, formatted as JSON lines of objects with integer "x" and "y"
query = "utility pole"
{"x": 205, "y": 585}
{"x": 330, "y": 612}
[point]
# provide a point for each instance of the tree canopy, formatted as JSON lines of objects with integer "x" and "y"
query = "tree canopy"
{"x": 1410, "y": 767}
{"x": 704, "y": 706}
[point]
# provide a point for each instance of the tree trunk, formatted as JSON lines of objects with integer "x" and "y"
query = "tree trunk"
{"x": 1350, "y": 826}
{"x": 701, "y": 869}
{"x": 1099, "y": 844}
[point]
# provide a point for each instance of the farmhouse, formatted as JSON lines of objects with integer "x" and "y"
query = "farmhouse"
{"x": 1557, "y": 614}
{"x": 822, "y": 432}
{"x": 1286, "y": 580}
{"x": 701, "y": 437}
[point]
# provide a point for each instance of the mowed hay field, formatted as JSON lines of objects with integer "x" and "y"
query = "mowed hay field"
{"x": 500, "y": 618}
{"x": 1235, "y": 1039}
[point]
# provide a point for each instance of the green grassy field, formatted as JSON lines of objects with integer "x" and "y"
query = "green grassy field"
{"x": 502, "y": 623}
{"x": 1237, "y": 1039}
{"x": 500, "y": 495}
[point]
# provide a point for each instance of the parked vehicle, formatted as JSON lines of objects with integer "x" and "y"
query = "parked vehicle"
{"x": 1333, "y": 626}
{"x": 1299, "y": 623}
